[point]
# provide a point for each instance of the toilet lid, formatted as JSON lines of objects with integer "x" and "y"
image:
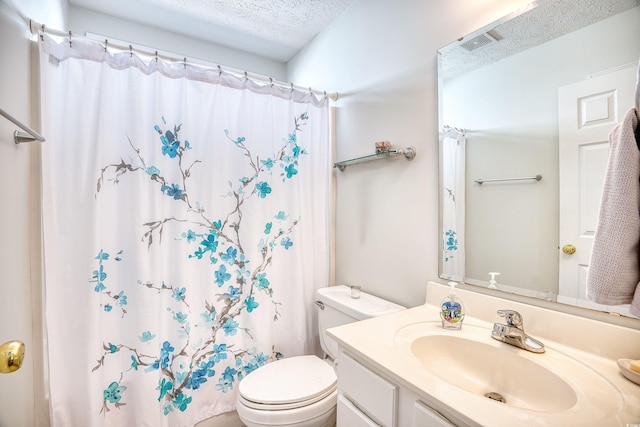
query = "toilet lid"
{"x": 289, "y": 381}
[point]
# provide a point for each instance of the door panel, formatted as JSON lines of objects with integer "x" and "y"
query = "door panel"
{"x": 587, "y": 112}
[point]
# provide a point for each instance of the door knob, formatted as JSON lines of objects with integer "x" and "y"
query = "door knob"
{"x": 569, "y": 249}
{"x": 11, "y": 356}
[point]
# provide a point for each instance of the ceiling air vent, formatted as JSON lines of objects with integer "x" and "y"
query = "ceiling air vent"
{"x": 478, "y": 42}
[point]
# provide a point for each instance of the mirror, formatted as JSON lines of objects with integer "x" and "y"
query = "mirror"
{"x": 501, "y": 206}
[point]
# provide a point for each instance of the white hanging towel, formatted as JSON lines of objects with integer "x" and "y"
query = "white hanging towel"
{"x": 614, "y": 268}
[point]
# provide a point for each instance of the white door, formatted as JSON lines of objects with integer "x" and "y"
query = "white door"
{"x": 587, "y": 111}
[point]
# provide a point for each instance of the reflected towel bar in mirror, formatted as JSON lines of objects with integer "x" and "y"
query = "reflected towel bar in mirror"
{"x": 482, "y": 181}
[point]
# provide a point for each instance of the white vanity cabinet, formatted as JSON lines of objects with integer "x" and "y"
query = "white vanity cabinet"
{"x": 367, "y": 399}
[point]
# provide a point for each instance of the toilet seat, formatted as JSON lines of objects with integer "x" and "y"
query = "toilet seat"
{"x": 288, "y": 383}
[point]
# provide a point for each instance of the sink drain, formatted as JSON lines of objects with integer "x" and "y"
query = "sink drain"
{"x": 495, "y": 396}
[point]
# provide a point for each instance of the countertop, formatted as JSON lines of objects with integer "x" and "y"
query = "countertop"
{"x": 375, "y": 343}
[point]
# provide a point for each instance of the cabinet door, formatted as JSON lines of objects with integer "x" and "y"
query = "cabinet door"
{"x": 424, "y": 416}
{"x": 374, "y": 395}
{"x": 350, "y": 416}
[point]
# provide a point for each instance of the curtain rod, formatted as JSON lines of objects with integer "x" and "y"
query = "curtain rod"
{"x": 19, "y": 137}
{"x": 35, "y": 27}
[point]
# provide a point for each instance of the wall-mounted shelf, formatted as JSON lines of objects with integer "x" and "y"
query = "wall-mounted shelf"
{"x": 409, "y": 153}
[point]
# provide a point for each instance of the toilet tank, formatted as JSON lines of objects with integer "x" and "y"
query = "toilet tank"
{"x": 336, "y": 307}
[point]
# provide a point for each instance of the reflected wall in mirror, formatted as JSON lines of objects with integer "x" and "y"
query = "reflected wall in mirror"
{"x": 500, "y": 86}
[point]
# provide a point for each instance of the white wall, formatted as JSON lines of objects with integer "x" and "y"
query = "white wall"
{"x": 381, "y": 57}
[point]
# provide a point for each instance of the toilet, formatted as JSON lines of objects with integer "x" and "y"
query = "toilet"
{"x": 301, "y": 391}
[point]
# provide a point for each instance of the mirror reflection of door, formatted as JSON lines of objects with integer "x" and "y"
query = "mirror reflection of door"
{"x": 587, "y": 112}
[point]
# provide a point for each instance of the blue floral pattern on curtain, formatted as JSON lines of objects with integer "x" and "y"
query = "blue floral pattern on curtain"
{"x": 184, "y": 368}
{"x": 186, "y": 231}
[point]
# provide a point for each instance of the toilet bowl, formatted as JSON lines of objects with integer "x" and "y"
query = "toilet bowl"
{"x": 296, "y": 391}
{"x": 301, "y": 391}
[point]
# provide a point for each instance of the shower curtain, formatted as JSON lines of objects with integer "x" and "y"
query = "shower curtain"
{"x": 453, "y": 200}
{"x": 185, "y": 217}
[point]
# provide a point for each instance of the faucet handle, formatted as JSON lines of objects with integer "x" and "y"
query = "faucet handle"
{"x": 512, "y": 317}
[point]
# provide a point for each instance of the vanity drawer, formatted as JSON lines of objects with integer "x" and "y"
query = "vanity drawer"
{"x": 350, "y": 416}
{"x": 424, "y": 416}
{"x": 369, "y": 392}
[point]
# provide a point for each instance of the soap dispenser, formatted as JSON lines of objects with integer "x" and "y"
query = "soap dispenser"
{"x": 452, "y": 310}
{"x": 492, "y": 282}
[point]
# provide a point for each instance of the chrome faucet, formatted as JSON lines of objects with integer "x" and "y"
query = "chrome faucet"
{"x": 513, "y": 332}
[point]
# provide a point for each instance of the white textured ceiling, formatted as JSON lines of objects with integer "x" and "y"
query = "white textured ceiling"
{"x": 275, "y": 29}
{"x": 548, "y": 20}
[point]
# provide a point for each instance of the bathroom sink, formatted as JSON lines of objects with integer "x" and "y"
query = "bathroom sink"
{"x": 488, "y": 375}
{"x": 497, "y": 372}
